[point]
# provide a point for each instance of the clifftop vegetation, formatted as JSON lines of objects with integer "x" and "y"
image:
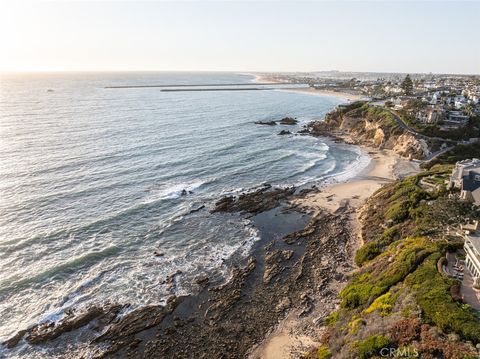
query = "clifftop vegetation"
{"x": 371, "y": 125}
{"x": 398, "y": 300}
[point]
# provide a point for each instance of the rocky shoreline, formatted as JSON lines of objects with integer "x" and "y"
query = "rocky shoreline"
{"x": 298, "y": 266}
{"x": 286, "y": 271}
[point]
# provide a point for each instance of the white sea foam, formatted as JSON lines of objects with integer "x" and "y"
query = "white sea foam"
{"x": 361, "y": 162}
{"x": 118, "y": 184}
{"x": 170, "y": 191}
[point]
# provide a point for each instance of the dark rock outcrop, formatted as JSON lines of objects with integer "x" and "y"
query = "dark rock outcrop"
{"x": 197, "y": 209}
{"x": 284, "y": 132}
{"x": 260, "y": 200}
{"x": 288, "y": 121}
{"x": 268, "y": 123}
{"x": 229, "y": 319}
{"x": 51, "y": 330}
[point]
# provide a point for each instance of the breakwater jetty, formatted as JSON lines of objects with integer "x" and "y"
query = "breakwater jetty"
{"x": 196, "y": 85}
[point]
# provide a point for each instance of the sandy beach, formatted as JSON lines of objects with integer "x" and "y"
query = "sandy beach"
{"x": 312, "y": 91}
{"x": 296, "y": 334}
{"x": 385, "y": 166}
{"x": 309, "y": 90}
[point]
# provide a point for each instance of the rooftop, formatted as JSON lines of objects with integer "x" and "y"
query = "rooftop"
{"x": 474, "y": 239}
{"x": 471, "y": 181}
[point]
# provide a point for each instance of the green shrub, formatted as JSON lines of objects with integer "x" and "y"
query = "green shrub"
{"x": 398, "y": 211}
{"x": 371, "y": 346}
{"x": 405, "y": 199}
{"x": 371, "y": 250}
{"x": 355, "y": 324}
{"x": 323, "y": 352}
{"x": 370, "y": 285}
{"x": 366, "y": 253}
{"x": 332, "y": 318}
{"x": 458, "y": 153}
{"x": 432, "y": 292}
{"x": 382, "y": 304}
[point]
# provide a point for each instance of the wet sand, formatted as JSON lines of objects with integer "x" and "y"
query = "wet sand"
{"x": 296, "y": 334}
{"x": 385, "y": 167}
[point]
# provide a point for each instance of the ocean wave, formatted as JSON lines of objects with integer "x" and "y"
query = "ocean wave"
{"x": 172, "y": 191}
{"x": 175, "y": 190}
{"x": 86, "y": 219}
{"x": 361, "y": 162}
{"x": 13, "y": 284}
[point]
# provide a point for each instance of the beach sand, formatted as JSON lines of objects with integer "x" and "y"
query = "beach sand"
{"x": 310, "y": 90}
{"x": 385, "y": 167}
{"x": 296, "y": 334}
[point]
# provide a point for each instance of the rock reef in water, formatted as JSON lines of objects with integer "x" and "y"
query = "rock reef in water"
{"x": 288, "y": 121}
{"x": 254, "y": 202}
{"x": 268, "y": 123}
{"x": 284, "y": 121}
{"x": 50, "y": 330}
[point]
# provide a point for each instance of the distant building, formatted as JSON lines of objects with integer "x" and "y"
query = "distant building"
{"x": 430, "y": 115}
{"x": 475, "y": 99}
{"x": 455, "y": 120}
{"x": 400, "y": 102}
{"x": 430, "y": 85}
{"x": 466, "y": 177}
{"x": 393, "y": 89}
{"x": 459, "y": 102}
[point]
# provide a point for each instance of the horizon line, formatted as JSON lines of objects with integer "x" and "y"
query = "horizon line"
{"x": 2, "y": 72}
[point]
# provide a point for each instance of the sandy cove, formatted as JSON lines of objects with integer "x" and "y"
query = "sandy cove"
{"x": 296, "y": 334}
{"x": 385, "y": 167}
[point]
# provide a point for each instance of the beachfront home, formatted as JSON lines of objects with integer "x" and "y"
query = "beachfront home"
{"x": 466, "y": 177}
{"x": 472, "y": 261}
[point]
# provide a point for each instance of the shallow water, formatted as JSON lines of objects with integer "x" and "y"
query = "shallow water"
{"x": 91, "y": 181}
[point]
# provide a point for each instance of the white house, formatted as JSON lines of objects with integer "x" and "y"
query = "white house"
{"x": 459, "y": 102}
{"x": 455, "y": 120}
{"x": 466, "y": 177}
{"x": 472, "y": 261}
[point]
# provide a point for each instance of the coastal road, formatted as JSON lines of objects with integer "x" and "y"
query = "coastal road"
{"x": 436, "y": 154}
{"x": 414, "y": 132}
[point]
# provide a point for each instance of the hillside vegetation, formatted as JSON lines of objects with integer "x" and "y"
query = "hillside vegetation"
{"x": 371, "y": 125}
{"x": 398, "y": 300}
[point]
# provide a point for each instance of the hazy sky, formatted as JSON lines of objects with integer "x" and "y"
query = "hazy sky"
{"x": 241, "y": 36}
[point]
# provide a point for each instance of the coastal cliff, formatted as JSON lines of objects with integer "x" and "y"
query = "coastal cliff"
{"x": 401, "y": 302}
{"x": 362, "y": 124}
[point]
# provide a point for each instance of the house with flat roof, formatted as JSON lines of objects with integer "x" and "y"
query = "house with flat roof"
{"x": 466, "y": 177}
{"x": 472, "y": 261}
{"x": 455, "y": 120}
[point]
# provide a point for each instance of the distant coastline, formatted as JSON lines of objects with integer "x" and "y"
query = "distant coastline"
{"x": 309, "y": 90}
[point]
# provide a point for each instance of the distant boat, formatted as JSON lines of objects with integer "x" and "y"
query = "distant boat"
{"x": 49, "y": 90}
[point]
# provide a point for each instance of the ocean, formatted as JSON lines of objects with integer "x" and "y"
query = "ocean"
{"x": 95, "y": 180}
